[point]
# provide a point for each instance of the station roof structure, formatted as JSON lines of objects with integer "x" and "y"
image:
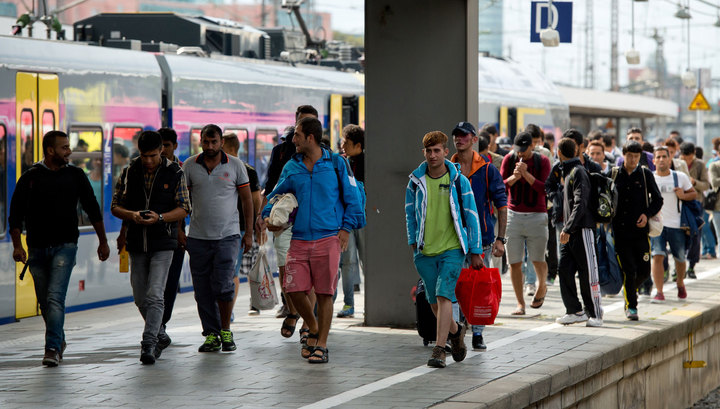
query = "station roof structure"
{"x": 616, "y": 104}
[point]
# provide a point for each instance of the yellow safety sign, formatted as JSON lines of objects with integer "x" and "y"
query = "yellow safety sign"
{"x": 699, "y": 103}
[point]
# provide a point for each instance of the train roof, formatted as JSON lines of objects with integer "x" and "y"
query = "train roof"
{"x": 504, "y": 81}
{"x": 64, "y": 56}
{"x": 245, "y": 71}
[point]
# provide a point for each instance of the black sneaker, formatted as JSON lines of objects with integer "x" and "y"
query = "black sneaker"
{"x": 164, "y": 341}
{"x": 211, "y": 344}
{"x": 51, "y": 358}
{"x": 157, "y": 351}
{"x": 691, "y": 274}
{"x": 147, "y": 355}
{"x": 226, "y": 337}
{"x": 62, "y": 350}
{"x": 478, "y": 342}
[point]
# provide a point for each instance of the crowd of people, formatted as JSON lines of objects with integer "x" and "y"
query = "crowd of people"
{"x": 528, "y": 210}
{"x": 531, "y": 208}
{"x": 155, "y": 193}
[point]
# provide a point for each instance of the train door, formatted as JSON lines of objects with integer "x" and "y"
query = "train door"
{"x": 37, "y": 101}
{"x": 344, "y": 110}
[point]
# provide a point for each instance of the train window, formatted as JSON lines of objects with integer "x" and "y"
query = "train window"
{"x": 242, "y": 135}
{"x": 265, "y": 140}
{"x": 86, "y": 143}
{"x": 27, "y": 130}
{"x": 195, "y": 141}
{"x": 124, "y": 148}
{"x": 48, "y": 121}
{"x": 3, "y": 177}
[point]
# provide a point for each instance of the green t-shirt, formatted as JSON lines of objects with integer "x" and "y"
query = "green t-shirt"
{"x": 440, "y": 235}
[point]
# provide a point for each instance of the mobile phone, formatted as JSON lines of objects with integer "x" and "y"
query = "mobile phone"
{"x": 145, "y": 214}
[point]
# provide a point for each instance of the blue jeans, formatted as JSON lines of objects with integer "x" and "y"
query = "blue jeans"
{"x": 50, "y": 268}
{"x": 350, "y": 265}
{"x": 708, "y": 240}
{"x": 148, "y": 277}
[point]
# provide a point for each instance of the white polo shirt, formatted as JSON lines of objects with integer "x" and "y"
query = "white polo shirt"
{"x": 214, "y": 196}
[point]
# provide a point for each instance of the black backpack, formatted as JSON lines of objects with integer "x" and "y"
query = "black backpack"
{"x": 603, "y": 196}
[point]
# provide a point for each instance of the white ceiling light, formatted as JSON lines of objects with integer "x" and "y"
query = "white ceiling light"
{"x": 683, "y": 12}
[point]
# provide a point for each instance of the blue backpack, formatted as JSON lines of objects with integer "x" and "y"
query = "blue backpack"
{"x": 610, "y": 276}
{"x": 359, "y": 186}
{"x": 691, "y": 213}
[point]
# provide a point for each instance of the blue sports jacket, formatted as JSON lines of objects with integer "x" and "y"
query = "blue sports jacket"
{"x": 416, "y": 207}
{"x": 489, "y": 190}
{"x": 321, "y": 212}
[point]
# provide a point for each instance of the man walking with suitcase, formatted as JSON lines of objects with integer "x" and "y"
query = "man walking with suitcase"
{"x": 442, "y": 226}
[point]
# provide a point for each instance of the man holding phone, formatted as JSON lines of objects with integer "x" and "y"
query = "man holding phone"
{"x": 151, "y": 196}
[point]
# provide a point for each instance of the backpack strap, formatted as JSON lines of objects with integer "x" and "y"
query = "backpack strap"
{"x": 537, "y": 162}
{"x": 335, "y": 159}
{"x": 676, "y": 183}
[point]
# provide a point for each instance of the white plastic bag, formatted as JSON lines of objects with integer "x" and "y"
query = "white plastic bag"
{"x": 263, "y": 295}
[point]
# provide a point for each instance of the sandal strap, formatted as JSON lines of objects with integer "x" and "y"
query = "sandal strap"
{"x": 304, "y": 331}
{"x": 293, "y": 316}
{"x": 313, "y": 336}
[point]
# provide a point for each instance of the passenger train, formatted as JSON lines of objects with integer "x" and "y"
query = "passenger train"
{"x": 102, "y": 97}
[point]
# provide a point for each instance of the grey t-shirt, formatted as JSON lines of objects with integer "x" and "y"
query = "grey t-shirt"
{"x": 214, "y": 196}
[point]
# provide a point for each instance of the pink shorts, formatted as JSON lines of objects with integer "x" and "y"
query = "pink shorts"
{"x": 312, "y": 264}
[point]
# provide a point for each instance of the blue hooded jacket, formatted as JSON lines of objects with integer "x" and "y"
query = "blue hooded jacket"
{"x": 416, "y": 209}
{"x": 489, "y": 190}
{"x": 321, "y": 211}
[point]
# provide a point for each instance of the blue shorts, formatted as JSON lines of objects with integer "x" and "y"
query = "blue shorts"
{"x": 440, "y": 273}
{"x": 676, "y": 239}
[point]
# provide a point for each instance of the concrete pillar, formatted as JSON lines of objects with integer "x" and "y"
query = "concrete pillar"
{"x": 421, "y": 75}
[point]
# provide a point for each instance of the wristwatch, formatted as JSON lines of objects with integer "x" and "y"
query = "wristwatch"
{"x": 161, "y": 219}
{"x": 502, "y": 239}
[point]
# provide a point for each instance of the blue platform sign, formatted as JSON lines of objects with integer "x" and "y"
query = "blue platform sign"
{"x": 562, "y": 20}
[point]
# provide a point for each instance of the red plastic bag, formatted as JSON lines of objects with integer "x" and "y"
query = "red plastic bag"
{"x": 478, "y": 292}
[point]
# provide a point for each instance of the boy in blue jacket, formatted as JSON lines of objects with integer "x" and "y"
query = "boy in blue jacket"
{"x": 329, "y": 208}
{"x": 441, "y": 231}
{"x": 489, "y": 190}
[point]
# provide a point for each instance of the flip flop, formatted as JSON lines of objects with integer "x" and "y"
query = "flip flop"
{"x": 537, "y": 302}
{"x": 518, "y": 311}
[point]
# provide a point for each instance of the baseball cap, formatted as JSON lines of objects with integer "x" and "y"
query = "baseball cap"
{"x": 522, "y": 142}
{"x": 464, "y": 128}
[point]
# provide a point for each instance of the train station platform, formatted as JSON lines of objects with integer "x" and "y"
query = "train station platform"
{"x": 530, "y": 361}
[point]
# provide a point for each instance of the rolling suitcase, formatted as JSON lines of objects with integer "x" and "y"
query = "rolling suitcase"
{"x": 425, "y": 319}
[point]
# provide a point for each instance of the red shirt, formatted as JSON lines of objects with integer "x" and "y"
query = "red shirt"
{"x": 522, "y": 196}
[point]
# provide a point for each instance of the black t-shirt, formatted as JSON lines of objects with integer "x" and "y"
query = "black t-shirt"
{"x": 280, "y": 155}
{"x": 357, "y": 164}
{"x": 254, "y": 187}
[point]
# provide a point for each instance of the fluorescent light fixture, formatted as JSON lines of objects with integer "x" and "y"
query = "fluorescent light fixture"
{"x": 632, "y": 57}
{"x": 550, "y": 37}
{"x": 683, "y": 13}
{"x": 689, "y": 79}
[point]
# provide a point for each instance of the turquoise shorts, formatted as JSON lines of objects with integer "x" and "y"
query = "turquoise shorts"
{"x": 440, "y": 273}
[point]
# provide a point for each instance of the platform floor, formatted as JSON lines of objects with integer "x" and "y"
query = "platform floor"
{"x": 369, "y": 367}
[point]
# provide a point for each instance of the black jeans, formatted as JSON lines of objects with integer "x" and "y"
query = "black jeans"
{"x": 634, "y": 256}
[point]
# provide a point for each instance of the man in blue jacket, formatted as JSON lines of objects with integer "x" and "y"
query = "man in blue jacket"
{"x": 441, "y": 232}
{"x": 329, "y": 208}
{"x": 488, "y": 189}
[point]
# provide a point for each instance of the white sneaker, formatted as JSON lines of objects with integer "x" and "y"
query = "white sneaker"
{"x": 529, "y": 289}
{"x": 568, "y": 319}
{"x": 594, "y": 322}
